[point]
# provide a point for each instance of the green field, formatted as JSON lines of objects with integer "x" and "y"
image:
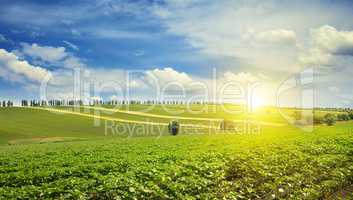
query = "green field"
{"x": 50, "y": 155}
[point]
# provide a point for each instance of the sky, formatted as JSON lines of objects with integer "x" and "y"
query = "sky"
{"x": 288, "y": 52}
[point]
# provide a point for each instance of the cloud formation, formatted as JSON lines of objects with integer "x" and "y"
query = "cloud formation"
{"x": 166, "y": 75}
{"x": 330, "y": 49}
{"x": 276, "y": 36}
{"x": 13, "y": 68}
{"x": 45, "y": 53}
{"x": 329, "y": 39}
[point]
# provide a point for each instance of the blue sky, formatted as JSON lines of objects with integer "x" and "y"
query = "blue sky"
{"x": 182, "y": 41}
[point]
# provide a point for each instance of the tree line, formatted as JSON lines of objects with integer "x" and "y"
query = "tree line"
{"x": 41, "y": 103}
{"x": 37, "y": 103}
{"x": 6, "y": 104}
{"x": 329, "y": 119}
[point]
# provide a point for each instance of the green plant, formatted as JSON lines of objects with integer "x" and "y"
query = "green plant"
{"x": 329, "y": 119}
{"x": 343, "y": 117}
{"x": 350, "y": 114}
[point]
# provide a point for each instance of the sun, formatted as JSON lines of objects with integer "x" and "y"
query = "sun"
{"x": 257, "y": 101}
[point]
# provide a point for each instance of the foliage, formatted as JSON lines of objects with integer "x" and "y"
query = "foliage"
{"x": 279, "y": 163}
{"x": 350, "y": 114}
{"x": 329, "y": 119}
{"x": 343, "y": 117}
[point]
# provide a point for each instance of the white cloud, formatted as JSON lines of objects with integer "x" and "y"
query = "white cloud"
{"x": 330, "y": 49}
{"x": 11, "y": 64}
{"x": 276, "y": 36}
{"x": 57, "y": 56}
{"x": 166, "y": 75}
{"x": 45, "y": 53}
{"x": 72, "y": 62}
{"x": 329, "y": 39}
{"x": 72, "y": 46}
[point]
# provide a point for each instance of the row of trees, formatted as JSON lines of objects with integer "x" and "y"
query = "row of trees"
{"x": 329, "y": 118}
{"x": 6, "y": 104}
{"x": 334, "y": 109}
{"x": 145, "y": 102}
{"x": 33, "y": 103}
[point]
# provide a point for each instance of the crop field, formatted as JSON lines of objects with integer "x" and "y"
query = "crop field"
{"x": 60, "y": 153}
{"x": 176, "y": 99}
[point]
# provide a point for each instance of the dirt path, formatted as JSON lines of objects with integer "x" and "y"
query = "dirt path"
{"x": 119, "y": 119}
{"x": 152, "y": 115}
{"x": 180, "y": 117}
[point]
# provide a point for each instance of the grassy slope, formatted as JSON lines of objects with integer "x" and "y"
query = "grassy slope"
{"x": 19, "y": 123}
{"x": 22, "y": 123}
{"x": 136, "y": 117}
{"x": 215, "y": 111}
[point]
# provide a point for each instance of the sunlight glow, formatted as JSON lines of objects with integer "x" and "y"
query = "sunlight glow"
{"x": 257, "y": 102}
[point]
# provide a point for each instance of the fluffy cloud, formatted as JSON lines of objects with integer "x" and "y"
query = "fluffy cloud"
{"x": 13, "y": 67}
{"x": 330, "y": 49}
{"x": 276, "y": 36}
{"x": 72, "y": 62}
{"x": 57, "y": 56}
{"x": 329, "y": 39}
{"x": 166, "y": 75}
{"x": 45, "y": 53}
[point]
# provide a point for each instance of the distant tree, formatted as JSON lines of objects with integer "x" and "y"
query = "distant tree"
{"x": 350, "y": 114}
{"x": 297, "y": 115}
{"x": 343, "y": 117}
{"x": 329, "y": 119}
